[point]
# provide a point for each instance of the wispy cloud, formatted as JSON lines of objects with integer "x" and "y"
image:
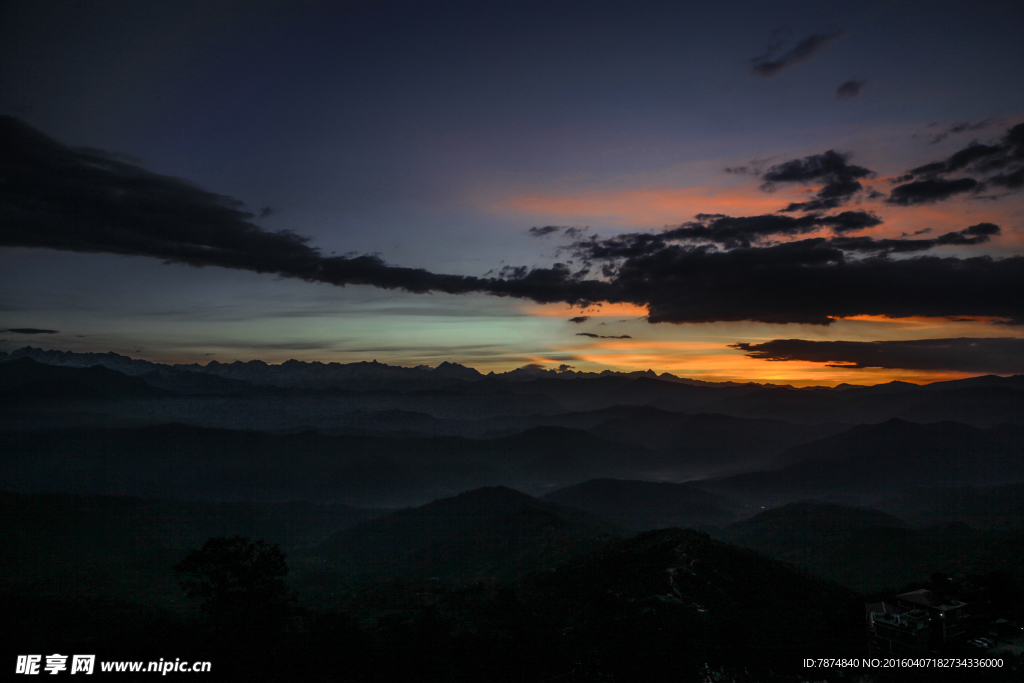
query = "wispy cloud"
{"x": 850, "y": 89}
{"x": 774, "y": 61}
{"x": 957, "y": 128}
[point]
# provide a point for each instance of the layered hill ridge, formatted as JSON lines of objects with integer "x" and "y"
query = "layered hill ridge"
{"x": 200, "y": 463}
{"x": 644, "y": 505}
{"x": 884, "y": 458}
{"x": 492, "y": 532}
{"x": 811, "y": 518}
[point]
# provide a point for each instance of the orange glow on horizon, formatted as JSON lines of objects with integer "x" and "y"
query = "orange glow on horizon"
{"x": 604, "y": 310}
{"x": 875, "y": 327}
{"x": 701, "y": 360}
{"x": 646, "y": 206}
{"x": 924, "y": 321}
{"x": 658, "y": 206}
{"x": 715, "y": 362}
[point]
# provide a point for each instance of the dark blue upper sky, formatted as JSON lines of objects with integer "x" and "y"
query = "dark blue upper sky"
{"x": 436, "y": 134}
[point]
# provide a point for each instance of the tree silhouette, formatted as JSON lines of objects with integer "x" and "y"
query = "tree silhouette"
{"x": 239, "y": 583}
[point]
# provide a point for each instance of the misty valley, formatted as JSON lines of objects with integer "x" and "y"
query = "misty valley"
{"x": 395, "y": 523}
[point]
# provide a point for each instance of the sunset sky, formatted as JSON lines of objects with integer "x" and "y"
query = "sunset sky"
{"x": 724, "y": 191}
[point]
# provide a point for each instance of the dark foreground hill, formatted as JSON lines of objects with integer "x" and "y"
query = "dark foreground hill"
{"x": 675, "y": 605}
{"x": 487, "y": 533}
{"x": 121, "y": 546}
{"x": 671, "y": 605}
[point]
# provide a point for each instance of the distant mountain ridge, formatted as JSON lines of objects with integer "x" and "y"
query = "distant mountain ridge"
{"x": 746, "y": 398}
{"x": 312, "y": 374}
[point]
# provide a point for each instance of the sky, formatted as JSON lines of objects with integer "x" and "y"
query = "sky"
{"x": 799, "y": 192}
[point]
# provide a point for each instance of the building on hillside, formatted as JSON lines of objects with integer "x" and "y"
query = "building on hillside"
{"x": 872, "y": 609}
{"x": 898, "y": 634}
{"x": 949, "y": 616}
{"x": 919, "y": 622}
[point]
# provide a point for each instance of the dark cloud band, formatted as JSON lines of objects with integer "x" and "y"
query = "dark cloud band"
{"x": 1002, "y": 355}
{"x": 999, "y": 165}
{"x": 840, "y": 179}
{"x": 30, "y": 330}
{"x": 931, "y": 191}
{"x": 813, "y": 282}
{"x": 975, "y": 234}
{"x": 717, "y": 268}
{"x": 56, "y": 197}
{"x": 728, "y": 231}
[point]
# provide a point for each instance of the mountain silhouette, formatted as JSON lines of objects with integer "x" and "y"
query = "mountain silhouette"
{"x": 23, "y": 379}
